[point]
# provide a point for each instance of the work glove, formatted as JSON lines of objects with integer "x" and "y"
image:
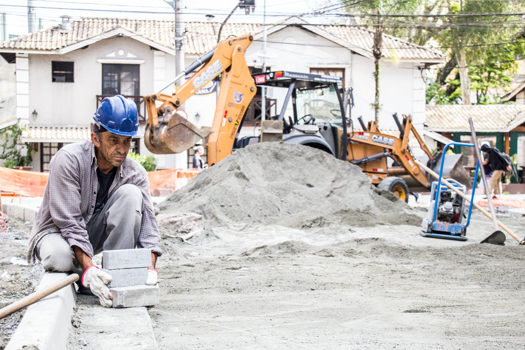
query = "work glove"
{"x": 152, "y": 276}
{"x": 97, "y": 281}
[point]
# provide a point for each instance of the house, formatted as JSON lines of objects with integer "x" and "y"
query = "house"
{"x": 63, "y": 72}
{"x": 503, "y": 126}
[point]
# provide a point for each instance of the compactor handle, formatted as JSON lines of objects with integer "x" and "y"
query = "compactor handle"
{"x": 399, "y": 126}
{"x": 360, "y": 119}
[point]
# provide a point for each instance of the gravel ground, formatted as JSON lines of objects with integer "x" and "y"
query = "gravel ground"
{"x": 17, "y": 278}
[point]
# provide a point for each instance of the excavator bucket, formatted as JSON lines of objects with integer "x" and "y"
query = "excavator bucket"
{"x": 453, "y": 168}
{"x": 174, "y": 134}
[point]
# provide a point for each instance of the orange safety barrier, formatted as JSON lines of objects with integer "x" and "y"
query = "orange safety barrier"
{"x": 22, "y": 182}
{"x": 165, "y": 182}
{"x": 33, "y": 184}
{"x": 502, "y": 202}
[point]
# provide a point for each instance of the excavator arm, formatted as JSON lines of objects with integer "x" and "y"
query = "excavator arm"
{"x": 167, "y": 131}
{"x": 370, "y": 149}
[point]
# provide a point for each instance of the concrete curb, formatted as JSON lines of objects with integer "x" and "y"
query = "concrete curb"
{"x": 25, "y": 212}
{"x": 46, "y": 323}
{"x": 114, "y": 329}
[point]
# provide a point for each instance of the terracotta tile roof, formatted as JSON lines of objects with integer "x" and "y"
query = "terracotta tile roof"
{"x": 486, "y": 118}
{"x": 200, "y": 37}
{"x": 512, "y": 94}
{"x": 55, "y": 133}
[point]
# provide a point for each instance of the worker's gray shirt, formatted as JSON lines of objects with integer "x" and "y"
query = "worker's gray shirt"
{"x": 71, "y": 193}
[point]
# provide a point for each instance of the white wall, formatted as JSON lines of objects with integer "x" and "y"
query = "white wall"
{"x": 401, "y": 91}
{"x": 7, "y": 92}
{"x": 74, "y": 103}
{"x": 298, "y": 50}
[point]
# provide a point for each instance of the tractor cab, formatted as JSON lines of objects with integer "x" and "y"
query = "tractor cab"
{"x": 311, "y": 109}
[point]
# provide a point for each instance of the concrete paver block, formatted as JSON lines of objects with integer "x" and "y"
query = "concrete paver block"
{"x": 127, "y": 277}
{"x": 135, "y": 296}
{"x": 126, "y": 258}
{"x": 115, "y": 329}
{"x": 46, "y": 323}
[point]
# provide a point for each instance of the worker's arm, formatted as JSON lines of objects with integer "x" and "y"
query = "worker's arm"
{"x": 485, "y": 160}
{"x": 153, "y": 260}
{"x": 83, "y": 259}
{"x": 65, "y": 200}
{"x": 149, "y": 235}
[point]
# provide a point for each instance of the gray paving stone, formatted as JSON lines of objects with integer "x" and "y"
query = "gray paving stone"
{"x": 135, "y": 296}
{"x": 126, "y": 258}
{"x": 127, "y": 277}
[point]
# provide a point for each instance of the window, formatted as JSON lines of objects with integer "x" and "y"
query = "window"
{"x": 62, "y": 72}
{"x": 47, "y": 151}
{"x": 121, "y": 79}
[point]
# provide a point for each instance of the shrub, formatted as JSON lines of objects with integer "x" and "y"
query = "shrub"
{"x": 148, "y": 162}
{"x": 12, "y": 152}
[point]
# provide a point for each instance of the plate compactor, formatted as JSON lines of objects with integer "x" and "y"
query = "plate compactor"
{"x": 447, "y": 208}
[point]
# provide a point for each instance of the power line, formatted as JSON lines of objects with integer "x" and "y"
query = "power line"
{"x": 285, "y": 14}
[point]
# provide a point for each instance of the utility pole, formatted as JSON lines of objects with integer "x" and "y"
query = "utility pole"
{"x": 179, "y": 30}
{"x": 179, "y": 54}
{"x": 31, "y": 17}
{"x": 263, "y": 90}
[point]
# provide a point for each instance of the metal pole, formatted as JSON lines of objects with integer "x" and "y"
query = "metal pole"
{"x": 263, "y": 91}
{"x": 4, "y": 27}
{"x": 179, "y": 54}
{"x": 31, "y": 16}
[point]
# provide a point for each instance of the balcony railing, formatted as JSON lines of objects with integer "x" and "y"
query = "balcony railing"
{"x": 139, "y": 101}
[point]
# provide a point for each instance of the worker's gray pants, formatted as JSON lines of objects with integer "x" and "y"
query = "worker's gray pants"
{"x": 117, "y": 226}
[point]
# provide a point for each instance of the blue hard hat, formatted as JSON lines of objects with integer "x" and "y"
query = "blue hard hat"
{"x": 118, "y": 115}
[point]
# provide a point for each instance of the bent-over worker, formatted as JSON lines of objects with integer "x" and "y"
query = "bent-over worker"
{"x": 96, "y": 198}
{"x": 499, "y": 164}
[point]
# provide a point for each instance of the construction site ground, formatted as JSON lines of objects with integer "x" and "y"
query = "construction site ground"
{"x": 331, "y": 274}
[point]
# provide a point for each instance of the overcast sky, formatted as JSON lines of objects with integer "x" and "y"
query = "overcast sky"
{"x": 49, "y": 11}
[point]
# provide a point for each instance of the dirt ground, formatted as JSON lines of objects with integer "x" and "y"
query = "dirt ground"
{"x": 17, "y": 278}
{"x": 264, "y": 257}
{"x": 307, "y": 255}
{"x": 380, "y": 287}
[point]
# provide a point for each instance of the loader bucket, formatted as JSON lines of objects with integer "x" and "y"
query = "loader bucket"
{"x": 174, "y": 134}
{"x": 453, "y": 168}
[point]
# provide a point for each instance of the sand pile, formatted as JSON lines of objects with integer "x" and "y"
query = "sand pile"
{"x": 288, "y": 185}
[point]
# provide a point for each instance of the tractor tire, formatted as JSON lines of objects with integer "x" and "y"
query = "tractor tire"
{"x": 396, "y": 185}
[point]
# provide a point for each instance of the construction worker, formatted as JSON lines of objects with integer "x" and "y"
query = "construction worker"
{"x": 499, "y": 163}
{"x": 198, "y": 163}
{"x": 97, "y": 198}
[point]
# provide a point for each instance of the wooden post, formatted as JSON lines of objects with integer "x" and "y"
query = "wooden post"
{"x": 507, "y": 143}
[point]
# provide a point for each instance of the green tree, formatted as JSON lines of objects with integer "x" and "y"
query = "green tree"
{"x": 482, "y": 43}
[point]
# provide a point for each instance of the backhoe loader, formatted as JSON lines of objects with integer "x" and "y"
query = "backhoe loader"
{"x": 312, "y": 114}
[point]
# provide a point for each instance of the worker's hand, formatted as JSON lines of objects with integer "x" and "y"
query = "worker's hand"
{"x": 152, "y": 276}
{"x": 97, "y": 281}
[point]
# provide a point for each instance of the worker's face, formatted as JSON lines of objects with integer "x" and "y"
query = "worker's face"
{"x": 111, "y": 149}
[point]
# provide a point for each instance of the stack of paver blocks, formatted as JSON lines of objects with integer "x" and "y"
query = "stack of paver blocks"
{"x": 129, "y": 269}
